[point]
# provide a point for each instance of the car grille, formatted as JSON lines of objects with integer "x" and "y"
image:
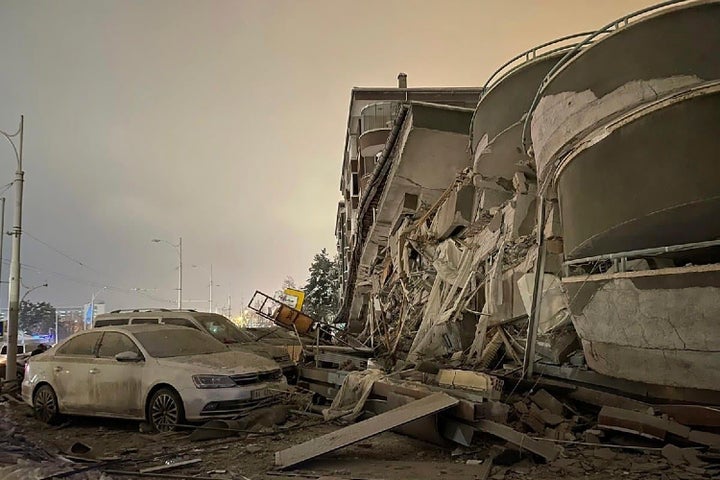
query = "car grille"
{"x": 237, "y": 407}
{"x": 251, "y": 378}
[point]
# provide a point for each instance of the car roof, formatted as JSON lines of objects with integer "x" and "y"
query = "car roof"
{"x": 142, "y": 328}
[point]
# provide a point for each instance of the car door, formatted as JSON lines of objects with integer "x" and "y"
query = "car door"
{"x": 117, "y": 387}
{"x": 71, "y": 370}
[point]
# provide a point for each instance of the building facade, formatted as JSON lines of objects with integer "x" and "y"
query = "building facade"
{"x": 403, "y": 147}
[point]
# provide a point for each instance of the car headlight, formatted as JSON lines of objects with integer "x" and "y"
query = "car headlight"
{"x": 213, "y": 381}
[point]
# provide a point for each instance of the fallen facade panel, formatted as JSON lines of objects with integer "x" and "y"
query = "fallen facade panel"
{"x": 365, "y": 429}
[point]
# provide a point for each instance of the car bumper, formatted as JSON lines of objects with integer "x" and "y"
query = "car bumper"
{"x": 201, "y": 404}
{"x": 26, "y": 390}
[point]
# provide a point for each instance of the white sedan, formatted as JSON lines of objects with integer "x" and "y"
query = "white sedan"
{"x": 163, "y": 374}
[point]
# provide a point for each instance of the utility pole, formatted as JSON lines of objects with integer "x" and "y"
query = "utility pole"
{"x": 2, "y": 230}
{"x": 14, "y": 290}
{"x": 177, "y": 247}
{"x": 92, "y": 308}
{"x": 211, "y": 287}
{"x": 180, "y": 276}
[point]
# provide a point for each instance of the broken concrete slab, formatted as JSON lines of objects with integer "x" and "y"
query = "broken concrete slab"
{"x": 673, "y": 454}
{"x": 492, "y": 198}
{"x": 492, "y": 410}
{"x": 546, "y": 401}
{"x": 546, "y": 416}
{"x": 691, "y": 457}
{"x": 704, "y": 438}
{"x": 692, "y": 415}
{"x": 455, "y": 213}
{"x": 533, "y": 423}
{"x": 546, "y": 450}
{"x": 476, "y": 381}
{"x": 641, "y": 424}
{"x": 434, "y": 403}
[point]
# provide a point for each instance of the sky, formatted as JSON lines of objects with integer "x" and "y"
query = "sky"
{"x": 221, "y": 122}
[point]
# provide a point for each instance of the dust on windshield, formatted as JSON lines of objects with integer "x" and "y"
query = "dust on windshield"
{"x": 178, "y": 342}
{"x": 223, "y": 329}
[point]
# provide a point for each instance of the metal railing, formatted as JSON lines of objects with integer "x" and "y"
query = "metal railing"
{"x": 607, "y": 29}
{"x": 525, "y": 56}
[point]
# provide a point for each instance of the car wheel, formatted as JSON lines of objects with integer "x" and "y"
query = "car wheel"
{"x": 45, "y": 404}
{"x": 165, "y": 410}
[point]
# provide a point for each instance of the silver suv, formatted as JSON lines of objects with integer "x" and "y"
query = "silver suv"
{"x": 216, "y": 325}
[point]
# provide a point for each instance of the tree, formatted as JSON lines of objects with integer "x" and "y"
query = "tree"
{"x": 322, "y": 291}
{"x": 36, "y": 318}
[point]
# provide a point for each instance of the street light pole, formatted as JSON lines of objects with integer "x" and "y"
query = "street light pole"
{"x": 14, "y": 290}
{"x": 178, "y": 247}
{"x": 180, "y": 275}
{"x": 92, "y": 308}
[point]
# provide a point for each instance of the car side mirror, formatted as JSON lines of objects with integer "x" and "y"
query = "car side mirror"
{"x": 128, "y": 357}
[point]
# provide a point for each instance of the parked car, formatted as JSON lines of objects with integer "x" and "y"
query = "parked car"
{"x": 24, "y": 350}
{"x": 163, "y": 374}
{"x": 216, "y": 325}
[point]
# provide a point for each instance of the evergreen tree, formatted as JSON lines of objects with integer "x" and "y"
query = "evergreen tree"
{"x": 322, "y": 291}
{"x": 36, "y": 318}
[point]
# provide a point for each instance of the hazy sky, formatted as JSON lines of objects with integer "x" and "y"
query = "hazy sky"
{"x": 218, "y": 121}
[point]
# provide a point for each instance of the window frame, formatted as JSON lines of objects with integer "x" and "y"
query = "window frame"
{"x": 60, "y": 353}
{"x": 128, "y": 337}
{"x": 191, "y": 323}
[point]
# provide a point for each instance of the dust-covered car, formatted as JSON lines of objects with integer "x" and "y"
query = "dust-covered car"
{"x": 164, "y": 374}
{"x": 216, "y": 325}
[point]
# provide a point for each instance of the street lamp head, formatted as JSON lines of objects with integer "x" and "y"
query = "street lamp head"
{"x": 156, "y": 240}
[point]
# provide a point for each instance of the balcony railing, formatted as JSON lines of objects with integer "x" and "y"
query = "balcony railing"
{"x": 378, "y": 115}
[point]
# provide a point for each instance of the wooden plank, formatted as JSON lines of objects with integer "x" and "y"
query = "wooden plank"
{"x": 544, "y": 449}
{"x": 365, "y": 429}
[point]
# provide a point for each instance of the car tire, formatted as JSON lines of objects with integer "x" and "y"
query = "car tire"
{"x": 165, "y": 410}
{"x": 45, "y": 405}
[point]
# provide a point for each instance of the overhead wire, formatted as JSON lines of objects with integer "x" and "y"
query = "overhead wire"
{"x": 59, "y": 252}
{"x": 91, "y": 283}
{"x": 86, "y": 266}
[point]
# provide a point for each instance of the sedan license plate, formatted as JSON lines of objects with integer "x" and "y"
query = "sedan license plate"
{"x": 258, "y": 394}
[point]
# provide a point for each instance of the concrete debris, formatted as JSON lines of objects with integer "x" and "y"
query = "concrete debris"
{"x": 641, "y": 424}
{"x": 365, "y": 429}
{"x": 475, "y": 381}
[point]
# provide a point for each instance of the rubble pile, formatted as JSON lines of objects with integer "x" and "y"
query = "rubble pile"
{"x": 456, "y": 279}
{"x": 22, "y": 459}
{"x": 514, "y": 427}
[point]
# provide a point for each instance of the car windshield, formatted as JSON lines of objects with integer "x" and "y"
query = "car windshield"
{"x": 177, "y": 342}
{"x": 223, "y": 329}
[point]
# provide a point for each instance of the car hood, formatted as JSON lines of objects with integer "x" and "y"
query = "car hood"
{"x": 259, "y": 349}
{"x": 229, "y": 363}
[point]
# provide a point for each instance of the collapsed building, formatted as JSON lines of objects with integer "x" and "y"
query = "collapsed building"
{"x": 563, "y": 224}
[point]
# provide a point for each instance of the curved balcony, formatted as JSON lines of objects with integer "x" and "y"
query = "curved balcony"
{"x": 509, "y": 91}
{"x": 664, "y": 49}
{"x": 647, "y": 179}
{"x": 496, "y": 130}
{"x": 376, "y": 121}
